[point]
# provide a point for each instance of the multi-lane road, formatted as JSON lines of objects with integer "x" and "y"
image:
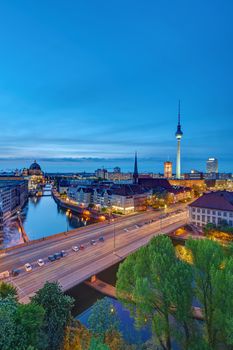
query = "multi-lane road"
{"x": 130, "y": 233}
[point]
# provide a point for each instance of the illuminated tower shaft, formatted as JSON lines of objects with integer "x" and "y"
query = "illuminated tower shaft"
{"x": 178, "y": 160}
{"x": 179, "y": 135}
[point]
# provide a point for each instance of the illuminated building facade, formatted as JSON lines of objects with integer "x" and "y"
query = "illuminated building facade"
{"x": 168, "y": 170}
{"x": 213, "y": 207}
{"x": 212, "y": 166}
{"x": 34, "y": 175}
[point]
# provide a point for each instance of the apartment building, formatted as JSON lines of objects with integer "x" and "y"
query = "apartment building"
{"x": 213, "y": 207}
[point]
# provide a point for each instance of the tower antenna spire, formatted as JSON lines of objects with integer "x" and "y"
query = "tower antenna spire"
{"x": 179, "y": 113}
{"x": 179, "y": 135}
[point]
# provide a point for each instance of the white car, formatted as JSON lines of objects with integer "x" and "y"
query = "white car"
{"x": 28, "y": 267}
{"x": 75, "y": 248}
{"x": 40, "y": 262}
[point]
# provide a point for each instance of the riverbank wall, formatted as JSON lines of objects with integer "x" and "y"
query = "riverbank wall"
{"x": 75, "y": 208}
{"x": 23, "y": 232}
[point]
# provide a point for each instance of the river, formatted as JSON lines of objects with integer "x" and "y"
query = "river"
{"x": 85, "y": 297}
{"x": 42, "y": 217}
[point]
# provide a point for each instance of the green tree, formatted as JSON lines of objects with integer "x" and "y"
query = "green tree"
{"x": 223, "y": 302}
{"x": 96, "y": 344}
{"x": 149, "y": 283}
{"x": 213, "y": 287}
{"x": 103, "y": 318}
{"x": 114, "y": 340}
{"x": 29, "y": 319}
{"x": 57, "y": 308}
{"x": 181, "y": 296}
{"x": 8, "y": 309}
{"x": 77, "y": 337}
{"x": 7, "y": 290}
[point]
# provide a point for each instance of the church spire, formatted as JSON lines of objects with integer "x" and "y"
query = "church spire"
{"x": 135, "y": 173}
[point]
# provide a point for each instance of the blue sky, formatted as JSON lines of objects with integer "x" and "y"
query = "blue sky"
{"x": 101, "y": 79}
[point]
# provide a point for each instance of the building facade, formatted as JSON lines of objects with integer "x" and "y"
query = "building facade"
{"x": 124, "y": 198}
{"x": 167, "y": 170}
{"x": 213, "y": 207}
{"x": 212, "y": 166}
{"x": 34, "y": 175}
{"x": 13, "y": 196}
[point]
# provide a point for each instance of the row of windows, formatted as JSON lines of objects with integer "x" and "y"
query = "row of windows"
{"x": 207, "y": 219}
{"x": 212, "y": 212}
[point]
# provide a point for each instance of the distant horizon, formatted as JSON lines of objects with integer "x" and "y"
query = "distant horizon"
{"x": 90, "y": 164}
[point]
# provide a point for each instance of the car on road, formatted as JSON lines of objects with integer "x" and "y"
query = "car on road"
{"x": 57, "y": 256}
{"x": 75, "y": 248}
{"x": 15, "y": 272}
{"x": 81, "y": 247}
{"x": 126, "y": 230}
{"x": 51, "y": 258}
{"x": 40, "y": 262}
{"x": 93, "y": 242}
{"x": 28, "y": 267}
{"x": 101, "y": 239}
{"x": 63, "y": 253}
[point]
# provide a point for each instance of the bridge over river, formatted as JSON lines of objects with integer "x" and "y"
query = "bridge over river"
{"x": 122, "y": 237}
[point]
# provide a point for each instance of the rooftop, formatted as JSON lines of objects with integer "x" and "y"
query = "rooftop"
{"x": 219, "y": 200}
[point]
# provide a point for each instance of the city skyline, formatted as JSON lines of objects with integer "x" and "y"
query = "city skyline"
{"x": 145, "y": 165}
{"x": 77, "y": 90}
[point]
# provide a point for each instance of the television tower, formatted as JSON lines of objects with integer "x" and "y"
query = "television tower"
{"x": 179, "y": 135}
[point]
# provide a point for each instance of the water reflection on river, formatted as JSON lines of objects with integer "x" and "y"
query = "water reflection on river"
{"x": 85, "y": 297}
{"x": 43, "y": 217}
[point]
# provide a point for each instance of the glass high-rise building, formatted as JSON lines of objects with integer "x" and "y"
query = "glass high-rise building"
{"x": 212, "y": 165}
